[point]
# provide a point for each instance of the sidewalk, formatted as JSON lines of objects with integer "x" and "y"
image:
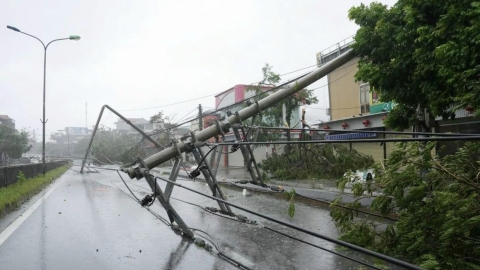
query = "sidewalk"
{"x": 317, "y": 190}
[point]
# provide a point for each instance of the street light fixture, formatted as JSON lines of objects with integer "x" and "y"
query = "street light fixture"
{"x": 73, "y": 37}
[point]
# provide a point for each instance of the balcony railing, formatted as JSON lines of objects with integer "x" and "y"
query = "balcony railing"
{"x": 334, "y": 51}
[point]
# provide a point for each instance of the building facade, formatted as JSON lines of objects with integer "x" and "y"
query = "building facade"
{"x": 7, "y": 121}
{"x": 231, "y": 100}
{"x": 145, "y": 125}
{"x": 355, "y": 106}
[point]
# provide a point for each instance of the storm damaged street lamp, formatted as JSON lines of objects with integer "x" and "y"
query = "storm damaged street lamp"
{"x": 73, "y": 37}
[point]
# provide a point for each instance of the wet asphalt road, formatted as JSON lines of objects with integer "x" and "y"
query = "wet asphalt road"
{"x": 90, "y": 222}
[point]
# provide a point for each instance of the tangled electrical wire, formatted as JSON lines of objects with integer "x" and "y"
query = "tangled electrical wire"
{"x": 327, "y": 238}
{"x": 243, "y": 219}
{"x": 212, "y": 240}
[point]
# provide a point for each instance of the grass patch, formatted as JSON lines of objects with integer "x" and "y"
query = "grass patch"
{"x": 12, "y": 196}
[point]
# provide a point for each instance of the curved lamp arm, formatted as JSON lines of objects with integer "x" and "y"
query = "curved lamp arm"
{"x": 72, "y": 37}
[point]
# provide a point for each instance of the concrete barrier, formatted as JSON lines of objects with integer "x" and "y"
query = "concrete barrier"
{"x": 8, "y": 175}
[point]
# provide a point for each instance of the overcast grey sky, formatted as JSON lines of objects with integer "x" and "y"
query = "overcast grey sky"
{"x": 141, "y": 54}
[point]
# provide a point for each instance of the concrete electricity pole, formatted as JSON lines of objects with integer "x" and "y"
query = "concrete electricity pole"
{"x": 265, "y": 103}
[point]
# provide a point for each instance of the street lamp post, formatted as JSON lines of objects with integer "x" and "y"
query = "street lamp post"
{"x": 73, "y": 37}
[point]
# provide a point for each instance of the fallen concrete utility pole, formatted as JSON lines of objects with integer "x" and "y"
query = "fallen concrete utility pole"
{"x": 257, "y": 107}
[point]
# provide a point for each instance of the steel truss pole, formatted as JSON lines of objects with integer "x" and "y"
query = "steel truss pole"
{"x": 174, "y": 174}
{"x": 173, "y": 177}
{"x": 172, "y": 214}
{"x": 126, "y": 121}
{"x": 247, "y": 153}
{"x": 257, "y": 107}
{"x": 211, "y": 180}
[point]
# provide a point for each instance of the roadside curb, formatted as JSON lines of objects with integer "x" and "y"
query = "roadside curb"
{"x": 322, "y": 194}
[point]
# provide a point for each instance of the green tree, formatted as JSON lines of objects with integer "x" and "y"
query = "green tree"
{"x": 436, "y": 201}
{"x": 164, "y": 134}
{"x": 319, "y": 161}
{"x": 280, "y": 115}
{"x": 423, "y": 55}
{"x": 110, "y": 146}
{"x": 78, "y": 148}
{"x": 157, "y": 118}
{"x": 13, "y": 143}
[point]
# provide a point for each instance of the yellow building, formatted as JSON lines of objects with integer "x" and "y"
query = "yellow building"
{"x": 352, "y": 106}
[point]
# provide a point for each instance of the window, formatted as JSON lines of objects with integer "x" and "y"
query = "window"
{"x": 375, "y": 97}
{"x": 364, "y": 98}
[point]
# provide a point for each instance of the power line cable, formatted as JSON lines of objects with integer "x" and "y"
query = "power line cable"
{"x": 297, "y": 70}
{"x": 128, "y": 187}
{"x": 203, "y": 208}
{"x": 247, "y": 99}
{"x": 337, "y": 78}
{"x": 181, "y": 102}
{"x": 369, "y": 131}
{"x": 194, "y": 109}
{"x": 260, "y": 94}
{"x": 422, "y": 139}
{"x": 229, "y": 106}
{"x": 322, "y": 248}
{"x": 243, "y": 101}
{"x": 278, "y": 87}
{"x": 214, "y": 243}
{"x": 292, "y": 226}
{"x": 289, "y": 81}
{"x": 166, "y": 105}
{"x": 266, "y": 227}
{"x": 289, "y": 236}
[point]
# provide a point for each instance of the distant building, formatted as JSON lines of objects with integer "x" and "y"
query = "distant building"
{"x": 70, "y": 135}
{"x": 145, "y": 125}
{"x": 7, "y": 121}
{"x": 229, "y": 98}
{"x": 233, "y": 100}
{"x": 208, "y": 119}
{"x": 180, "y": 132}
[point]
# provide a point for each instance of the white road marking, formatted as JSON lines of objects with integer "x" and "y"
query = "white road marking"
{"x": 12, "y": 227}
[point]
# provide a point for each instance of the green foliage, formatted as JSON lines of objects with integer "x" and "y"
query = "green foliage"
{"x": 14, "y": 195}
{"x": 420, "y": 54}
{"x": 437, "y": 201}
{"x": 110, "y": 146}
{"x": 316, "y": 162}
{"x": 13, "y": 142}
{"x": 290, "y": 196}
{"x": 157, "y": 118}
{"x": 21, "y": 177}
{"x": 274, "y": 116}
